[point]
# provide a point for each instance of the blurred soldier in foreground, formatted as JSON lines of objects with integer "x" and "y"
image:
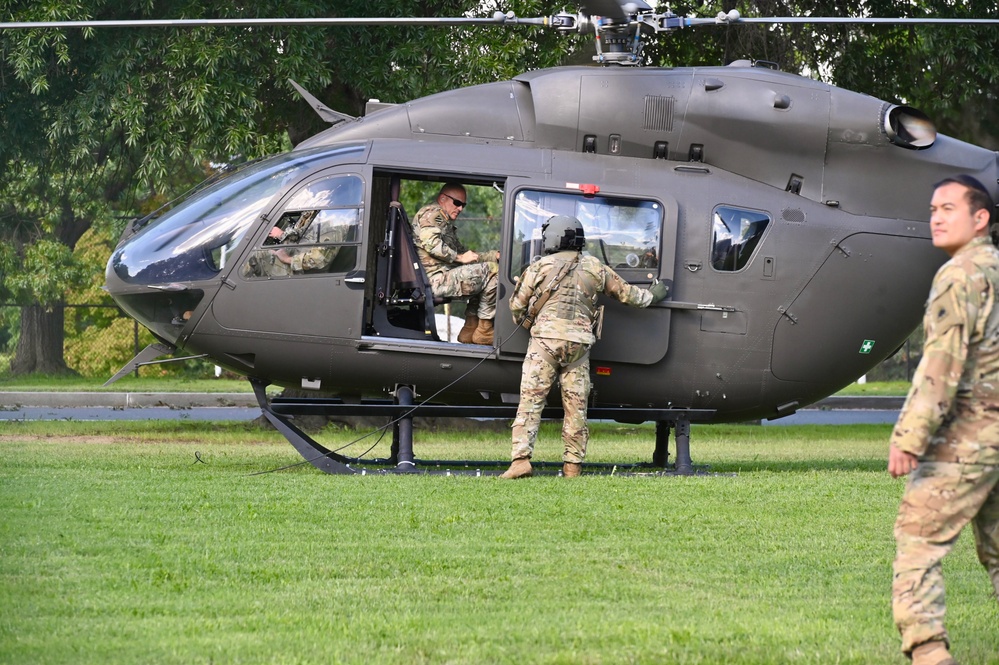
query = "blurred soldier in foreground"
{"x": 453, "y": 269}
{"x": 556, "y": 299}
{"x": 947, "y": 436}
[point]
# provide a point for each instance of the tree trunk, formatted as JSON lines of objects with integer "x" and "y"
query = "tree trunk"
{"x": 39, "y": 349}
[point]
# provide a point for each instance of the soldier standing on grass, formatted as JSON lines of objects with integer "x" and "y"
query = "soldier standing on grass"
{"x": 557, "y": 297}
{"x": 947, "y": 436}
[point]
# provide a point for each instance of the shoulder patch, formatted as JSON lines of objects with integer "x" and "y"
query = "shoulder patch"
{"x": 429, "y": 215}
{"x": 946, "y": 307}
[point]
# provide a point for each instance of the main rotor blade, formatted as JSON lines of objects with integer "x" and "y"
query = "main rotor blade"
{"x": 497, "y": 19}
{"x": 733, "y": 18}
{"x": 614, "y": 9}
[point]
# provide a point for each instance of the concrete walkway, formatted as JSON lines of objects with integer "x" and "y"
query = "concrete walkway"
{"x": 243, "y": 406}
{"x": 69, "y": 400}
{"x": 189, "y": 400}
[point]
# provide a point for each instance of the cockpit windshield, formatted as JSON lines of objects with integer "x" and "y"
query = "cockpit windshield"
{"x": 192, "y": 241}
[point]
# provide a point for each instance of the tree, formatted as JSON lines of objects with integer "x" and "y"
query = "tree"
{"x": 948, "y": 72}
{"x": 35, "y": 268}
{"x": 101, "y": 120}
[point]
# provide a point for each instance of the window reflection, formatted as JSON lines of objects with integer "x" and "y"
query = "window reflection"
{"x": 736, "y": 234}
{"x": 623, "y": 233}
{"x": 193, "y": 241}
{"x": 319, "y": 231}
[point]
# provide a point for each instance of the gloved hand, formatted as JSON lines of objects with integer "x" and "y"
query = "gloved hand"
{"x": 659, "y": 291}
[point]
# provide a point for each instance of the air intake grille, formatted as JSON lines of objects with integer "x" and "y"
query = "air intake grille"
{"x": 659, "y": 113}
{"x": 794, "y": 215}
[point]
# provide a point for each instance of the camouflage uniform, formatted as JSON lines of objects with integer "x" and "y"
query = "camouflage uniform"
{"x": 437, "y": 243}
{"x": 314, "y": 259}
{"x": 317, "y": 258}
{"x": 560, "y": 342}
{"x": 951, "y": 422}
{"x": 265, "y": 263}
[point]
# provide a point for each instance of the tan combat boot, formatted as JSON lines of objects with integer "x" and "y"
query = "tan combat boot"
{"x": 467, "y": 330}
{"x": 484, "y": 333}
{"x": 932, "y": 653}
{"x": 572, "y": 469}
{"x": 519, "y": 468}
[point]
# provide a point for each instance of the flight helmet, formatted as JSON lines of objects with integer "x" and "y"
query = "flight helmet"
{"x": 562, "y": 232}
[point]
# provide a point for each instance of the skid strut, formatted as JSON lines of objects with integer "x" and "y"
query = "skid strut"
{"x": 402, "y": 433}
{"x": 660, "y": 458}
{"x": 281, "y": 411}
{"x": 311, "y": 450}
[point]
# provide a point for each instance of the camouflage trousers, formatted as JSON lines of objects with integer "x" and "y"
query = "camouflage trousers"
{"x": 477, "y": 281}
{"x": 547, "y": 359}
{"x": 940, "y": 499}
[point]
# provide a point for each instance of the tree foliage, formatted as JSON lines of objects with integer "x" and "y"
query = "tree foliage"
{"x": 102, "y": 122}
{"x": 951, "y": 73}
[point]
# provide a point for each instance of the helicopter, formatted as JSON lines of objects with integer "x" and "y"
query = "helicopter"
{"x": 777, "y": 209}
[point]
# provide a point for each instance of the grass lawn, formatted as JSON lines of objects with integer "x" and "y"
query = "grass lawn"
{"x": 877, "y": 388}
{"x": 153, "y": 543}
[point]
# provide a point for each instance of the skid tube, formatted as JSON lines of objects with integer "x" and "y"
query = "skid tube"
{"x": 281, "y": 411}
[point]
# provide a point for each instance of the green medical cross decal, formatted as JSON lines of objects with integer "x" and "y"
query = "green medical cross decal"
{"x": 867, "y": 346}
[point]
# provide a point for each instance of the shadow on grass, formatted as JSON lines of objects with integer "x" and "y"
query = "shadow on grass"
{"x": 702, "y": 467}
{"x": 800, "y": 466}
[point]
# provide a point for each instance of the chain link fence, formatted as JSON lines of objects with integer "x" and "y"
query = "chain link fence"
{"x": 97, "y": 337}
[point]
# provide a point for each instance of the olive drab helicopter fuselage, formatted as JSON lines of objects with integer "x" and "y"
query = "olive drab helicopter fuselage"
{"x": 789, "y": 218}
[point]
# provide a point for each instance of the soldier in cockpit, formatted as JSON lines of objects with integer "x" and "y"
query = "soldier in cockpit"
{"x": 302, "y": 242}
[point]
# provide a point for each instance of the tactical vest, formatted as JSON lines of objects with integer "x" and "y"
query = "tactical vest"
{"x": 572, "y": 306}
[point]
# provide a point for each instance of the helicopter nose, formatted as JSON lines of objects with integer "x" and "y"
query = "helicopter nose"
{"x": 165, "y": 309}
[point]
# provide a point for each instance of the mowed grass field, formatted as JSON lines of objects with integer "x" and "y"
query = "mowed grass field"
{"x": 155, "y": 543}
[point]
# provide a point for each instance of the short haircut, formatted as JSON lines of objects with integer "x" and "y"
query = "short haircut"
{"x": 977, "y": 196}
{"x": 450, "y": 186}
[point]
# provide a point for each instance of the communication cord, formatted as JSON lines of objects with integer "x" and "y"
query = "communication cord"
{"x": 405, "y": 415}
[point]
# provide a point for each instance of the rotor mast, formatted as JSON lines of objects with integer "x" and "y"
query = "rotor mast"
{"x": 617, "y": 27}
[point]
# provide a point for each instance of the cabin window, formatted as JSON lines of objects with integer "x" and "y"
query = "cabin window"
{"x": 736, "y": 234}
{"x": 623, "y": 233}
{"x": 318, "y": 232}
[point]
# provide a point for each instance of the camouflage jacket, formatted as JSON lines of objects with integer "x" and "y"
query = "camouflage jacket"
{"x": 436, "y": 240}
{"x": 570, "y": 311}
{"x": 327, "y": 238}
{"x": 952, "y": 411}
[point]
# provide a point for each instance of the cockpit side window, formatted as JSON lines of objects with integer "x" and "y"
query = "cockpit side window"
{"x": 623, "y": 233}
{"x": 192, "y": 241}
{"x": 318, "y": 232}
{"x": 736, "y": 234}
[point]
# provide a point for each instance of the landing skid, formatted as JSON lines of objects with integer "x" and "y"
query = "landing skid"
{"x": 281, "y": 411}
